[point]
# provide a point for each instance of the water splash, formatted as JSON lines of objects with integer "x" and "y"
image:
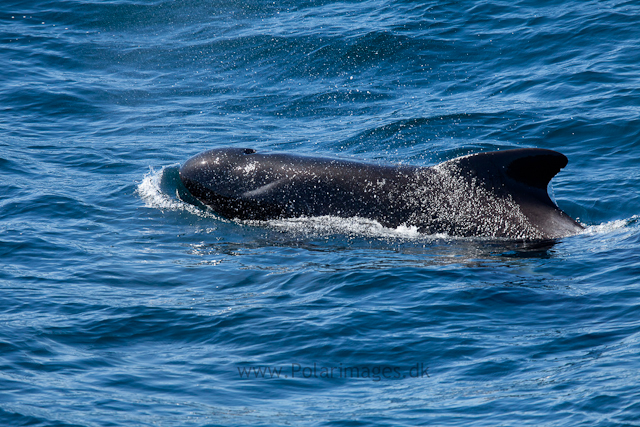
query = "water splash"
{"x": 612, "y": 226}
{"x": 163, "y": 190}
{"x": 355, "y": 226}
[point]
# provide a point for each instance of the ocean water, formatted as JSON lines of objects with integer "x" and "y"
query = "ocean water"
{"x": 121, "y": 304}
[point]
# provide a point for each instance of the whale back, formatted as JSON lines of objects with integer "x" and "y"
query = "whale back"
{"x": 494, "y": 194}
{"x": 245, "y": 184}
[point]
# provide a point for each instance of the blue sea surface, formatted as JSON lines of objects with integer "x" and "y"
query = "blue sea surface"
{"x": 121, "y": 304}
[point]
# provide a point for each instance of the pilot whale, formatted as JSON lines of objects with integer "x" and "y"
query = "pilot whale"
{"x": 499, "y": 194}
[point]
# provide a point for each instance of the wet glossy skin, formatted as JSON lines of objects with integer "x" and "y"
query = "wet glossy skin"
{"x": 497, "y": 194}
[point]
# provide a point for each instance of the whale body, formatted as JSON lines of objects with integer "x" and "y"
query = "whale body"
{"x": 500, "y": 194}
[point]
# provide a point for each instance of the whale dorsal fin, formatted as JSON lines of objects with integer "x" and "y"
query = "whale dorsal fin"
{"x": 536, "y": 167}
{"x": 521, "y": 177}
{"x": 533, "y": 167}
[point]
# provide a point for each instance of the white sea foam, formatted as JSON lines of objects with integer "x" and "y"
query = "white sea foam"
{"x": 149, "y": 191}
{"x": 354, "y": 226}
{"x": 154, "y": 191}
{"x": 611, "y": 226}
